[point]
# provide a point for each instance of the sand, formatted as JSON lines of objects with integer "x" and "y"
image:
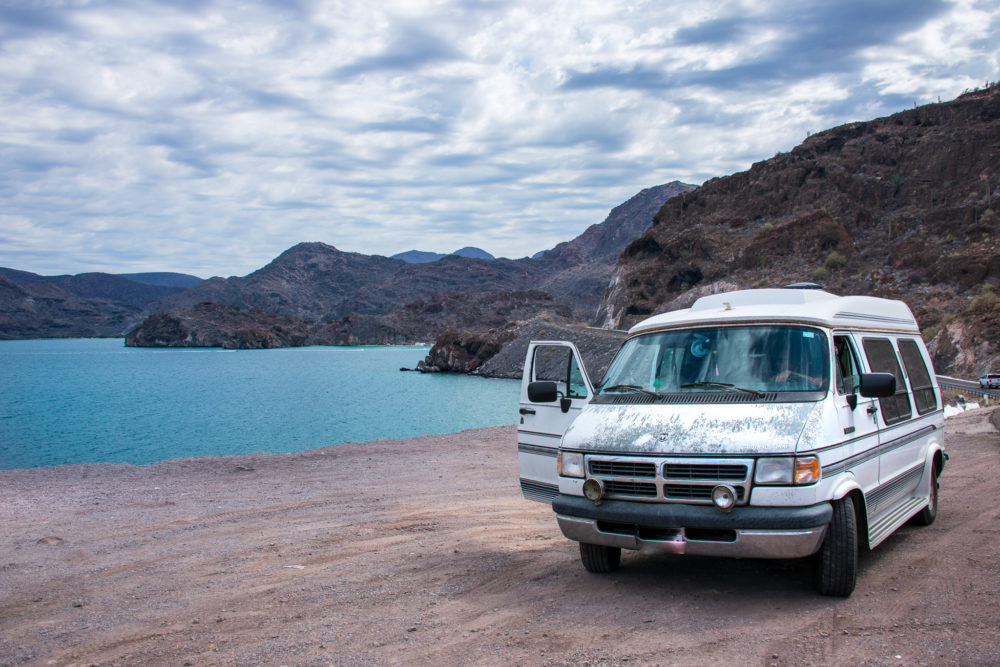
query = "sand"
{"x": 422, "y": 551}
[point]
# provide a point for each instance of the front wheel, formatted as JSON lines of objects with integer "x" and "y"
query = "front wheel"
{"x": 926, "y": 516}
{"x": 600, "y": 559}
{"x": 836, "y": 563}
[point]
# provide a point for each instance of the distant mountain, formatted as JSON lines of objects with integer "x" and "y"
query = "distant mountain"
{"x": 136, "y": 294}
{"x": 419, "y": 256}
{"x": 164, "y": 279}
{"x": 422, "y": 257}
{"x": 901, "y": 207}
{"x": 316, "y": 281}
{"x": 473, "y": 253}
{"x": 88, "y": 304}
{"x": 340, "y": 296}
{"x": 362, "y": 298}
{"x": 40, "y": 309}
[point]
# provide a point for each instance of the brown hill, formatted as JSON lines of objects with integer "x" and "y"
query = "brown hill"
{"x": 901, "y": 207}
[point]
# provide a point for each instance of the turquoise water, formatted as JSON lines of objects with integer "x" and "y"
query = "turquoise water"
{"x": 95, "y": 400}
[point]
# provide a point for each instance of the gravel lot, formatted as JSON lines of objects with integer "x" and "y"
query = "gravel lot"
{"x": 421, "y": 551}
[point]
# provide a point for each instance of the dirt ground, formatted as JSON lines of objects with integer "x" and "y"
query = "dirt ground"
{"x": 422, "y": 551}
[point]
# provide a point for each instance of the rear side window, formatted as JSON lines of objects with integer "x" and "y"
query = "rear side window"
{"x": 920, "y": 380}
{"x": 882, "y": 359}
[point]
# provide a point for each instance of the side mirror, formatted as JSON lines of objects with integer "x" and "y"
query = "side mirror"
{"x": 542, "y": 392}
{"x": 877, "y": 385}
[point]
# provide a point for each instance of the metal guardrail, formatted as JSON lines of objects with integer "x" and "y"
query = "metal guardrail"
{"x": 966, "y": 386}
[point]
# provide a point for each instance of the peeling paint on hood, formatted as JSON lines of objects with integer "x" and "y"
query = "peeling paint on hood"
{"x": 773, "y": 428}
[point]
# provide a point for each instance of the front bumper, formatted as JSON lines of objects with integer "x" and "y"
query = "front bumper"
{"x": 745, "y": 532}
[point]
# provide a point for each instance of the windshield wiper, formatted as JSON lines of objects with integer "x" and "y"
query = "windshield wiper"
{"x": 630, "y": 387}
{"x": 722, "y": 385}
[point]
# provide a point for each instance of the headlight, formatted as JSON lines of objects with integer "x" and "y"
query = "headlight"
{"x": 570, "y": 464}
{"x": 774, "y": 471}
{"x": 787, "y": 470}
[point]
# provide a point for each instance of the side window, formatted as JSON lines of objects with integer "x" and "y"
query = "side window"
{"x": 920, "y": 380}
{"x": 558, "y": 364}
{"x": 882, "y": 359}
{"x": 846, "y": 365}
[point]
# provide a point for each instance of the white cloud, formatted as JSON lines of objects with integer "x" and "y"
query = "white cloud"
{"x": 207, "y": 137}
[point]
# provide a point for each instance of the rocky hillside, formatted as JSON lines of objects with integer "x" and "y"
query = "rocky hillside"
{"x": 581, "y": 269}
{"x": 901, "y": 207}
{"x": 215, "y": 325}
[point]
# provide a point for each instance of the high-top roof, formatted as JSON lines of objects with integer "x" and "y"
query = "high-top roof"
{"x": 805, "y": 306}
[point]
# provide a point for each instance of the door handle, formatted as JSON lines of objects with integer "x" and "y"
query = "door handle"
{"x": 526, "y": 411}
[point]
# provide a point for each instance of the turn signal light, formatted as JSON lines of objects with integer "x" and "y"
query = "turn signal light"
{"x": 806, "y": 469}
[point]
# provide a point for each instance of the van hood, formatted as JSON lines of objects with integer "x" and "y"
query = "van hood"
{"x": 773, "y": 428}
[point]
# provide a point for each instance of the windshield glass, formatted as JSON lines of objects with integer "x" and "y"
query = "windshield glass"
{"x": 738, "y": 358}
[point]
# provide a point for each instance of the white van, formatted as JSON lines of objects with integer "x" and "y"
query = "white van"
{"x": 771, "y": 423}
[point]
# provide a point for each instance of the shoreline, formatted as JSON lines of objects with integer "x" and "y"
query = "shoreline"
{"x": 261, "y": 453}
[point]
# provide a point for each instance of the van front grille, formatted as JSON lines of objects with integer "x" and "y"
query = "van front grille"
{"x": 670, "y": 479}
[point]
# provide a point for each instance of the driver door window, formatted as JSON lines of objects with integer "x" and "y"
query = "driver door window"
{"x": 558, "y": 364}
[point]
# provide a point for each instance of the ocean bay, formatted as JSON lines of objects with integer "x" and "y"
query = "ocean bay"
{"x": 95, "y": 400}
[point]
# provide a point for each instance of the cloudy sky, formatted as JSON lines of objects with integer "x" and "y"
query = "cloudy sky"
{"x": 207, "y": 136}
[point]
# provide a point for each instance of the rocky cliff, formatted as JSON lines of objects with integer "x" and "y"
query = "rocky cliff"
{"x": 900, "y": 207}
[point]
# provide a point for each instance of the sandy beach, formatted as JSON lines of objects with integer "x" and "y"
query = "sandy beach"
{"x": 422, "y": 551}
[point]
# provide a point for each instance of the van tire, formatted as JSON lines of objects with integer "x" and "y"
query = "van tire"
{"x": 600, "y": 559}
{"x": 926, "y": 516}
{"x": 835, "y": 565}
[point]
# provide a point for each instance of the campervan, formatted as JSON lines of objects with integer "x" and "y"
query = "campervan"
{"x": 766, "y": 423}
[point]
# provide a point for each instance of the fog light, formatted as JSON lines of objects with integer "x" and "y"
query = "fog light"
{"x": 593, "y": 490}
{"x": 724, "y": 497}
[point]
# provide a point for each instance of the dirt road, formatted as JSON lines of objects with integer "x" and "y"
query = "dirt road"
{"x": 422, "y": 551}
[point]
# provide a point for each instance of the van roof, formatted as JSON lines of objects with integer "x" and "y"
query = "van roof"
{"x": 807, "y": 306}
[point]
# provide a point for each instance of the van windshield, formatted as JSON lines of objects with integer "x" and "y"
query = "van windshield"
{"x": 753, "y": 359}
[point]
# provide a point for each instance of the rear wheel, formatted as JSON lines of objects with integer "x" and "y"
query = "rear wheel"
{"x": 836, "y": 563}
{"x": 926, "y": 516}
{"x": 600, "y": 559}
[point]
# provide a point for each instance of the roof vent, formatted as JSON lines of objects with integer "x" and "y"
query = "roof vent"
{"x": 803, "y": 286}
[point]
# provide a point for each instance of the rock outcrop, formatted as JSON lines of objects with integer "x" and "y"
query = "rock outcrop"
{"x": 214, "y": 325}
{"x": 500, "y": 353}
